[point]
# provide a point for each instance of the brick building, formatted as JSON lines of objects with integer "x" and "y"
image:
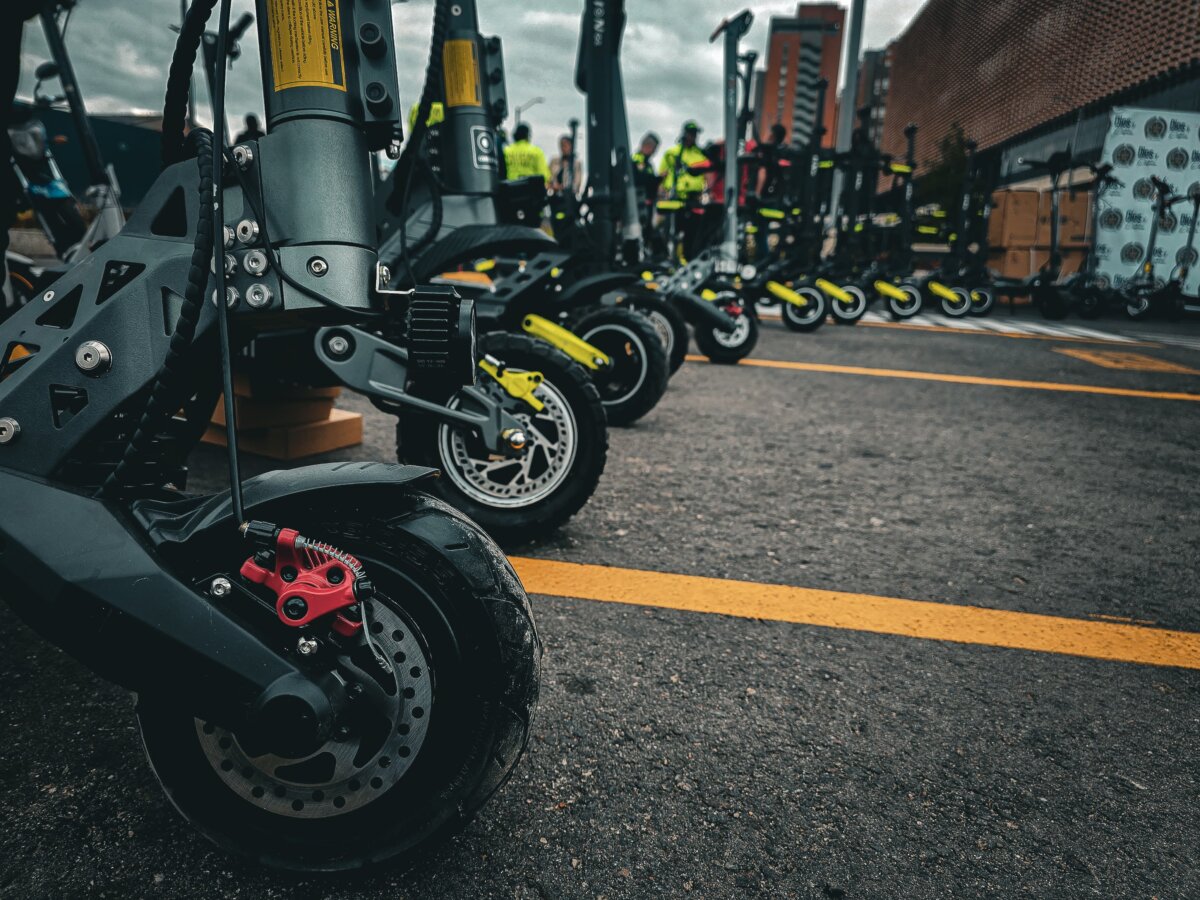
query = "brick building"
{"x": 1025, "y": 77}
{"x": 800, "y": 51}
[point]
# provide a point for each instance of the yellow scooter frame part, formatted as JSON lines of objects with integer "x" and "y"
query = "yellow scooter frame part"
{"x": 571, "y": 344}
{"x": 890, "y": 290}
{"x": 940, "y": 290}
{"x": 833, "y": 290}
{"x": 785, "y": 293}
{"x": 520, "y": 385}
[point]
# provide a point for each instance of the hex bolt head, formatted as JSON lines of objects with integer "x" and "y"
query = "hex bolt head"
{"x": 93, "y": 358}
{"x": 295, "y": 608}
{"x": 220, "y": 587}
{"x": 231, "y": 297}
{"x": 255, "y": 262}
{"x": 230, "y": 237}
{"x": 307, "y": 646}
{"x": 243, "y": 156}
{"x": 317, "y": 266}
{"x": 259, "y": 296}
{"x": 247, "y": 231}
{"x": 230, "y": 263}
{"x": 10, "y": 430}
{"x": 338, "y": 345}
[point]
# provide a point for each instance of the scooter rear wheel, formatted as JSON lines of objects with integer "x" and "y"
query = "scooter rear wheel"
{"x": 982, "y": 301}
{"x": 731, "y": 348}
{"x": 805, "y": 318}
{"x": 910, "y": 306}
{"x": 668, "y": 322}
{"x": 960, "y": 306}
{"x": 440, "y": 731}
{"x": 849, "y": 313}
{"x": 637, "y": 378}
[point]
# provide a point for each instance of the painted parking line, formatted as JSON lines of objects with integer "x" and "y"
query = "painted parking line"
{"x": 960, "y": 379}
{"x": 921, "y": 619}
{"x": 1130, "y": 362}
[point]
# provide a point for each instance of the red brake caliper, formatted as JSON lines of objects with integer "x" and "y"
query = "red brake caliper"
{"x": 310, "y": 579}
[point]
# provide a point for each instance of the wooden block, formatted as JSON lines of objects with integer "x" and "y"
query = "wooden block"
{"x": 253, "y": 412}
{"x": 341, "y": 429}
{"x": 263, "y": 389}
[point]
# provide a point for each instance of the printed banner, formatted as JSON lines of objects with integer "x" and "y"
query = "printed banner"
{"x": 1141, "y": 144}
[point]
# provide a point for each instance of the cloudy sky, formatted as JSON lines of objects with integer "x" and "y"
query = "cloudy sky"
{"x": 121, "y": 50}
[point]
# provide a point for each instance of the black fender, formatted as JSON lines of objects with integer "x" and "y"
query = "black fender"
{"x": 173, "y": 525}
{"x": 700, "y": 313}
{"x": 590, "y": 289}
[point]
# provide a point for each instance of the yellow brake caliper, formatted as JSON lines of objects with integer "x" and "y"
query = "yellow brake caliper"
{"x": 569, "y": 343}
{"x": 520, "y": 385}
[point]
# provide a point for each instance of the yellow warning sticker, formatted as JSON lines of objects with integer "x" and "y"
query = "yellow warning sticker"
{"x": 461, "y": 67}
{"x": 306, "y": 44}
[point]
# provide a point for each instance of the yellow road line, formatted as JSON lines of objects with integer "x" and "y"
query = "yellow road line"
{"x": 864, "y": 612}
{"x": 961, "y": 379}
{"x": 1134, "y": 362}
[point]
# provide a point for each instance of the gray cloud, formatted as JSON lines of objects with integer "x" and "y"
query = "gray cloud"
{"x": 121, "y": 50}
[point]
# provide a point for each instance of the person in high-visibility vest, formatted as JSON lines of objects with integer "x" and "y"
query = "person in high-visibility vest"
{"x": 522, "y": 159}
{"x": 674, "y": 168}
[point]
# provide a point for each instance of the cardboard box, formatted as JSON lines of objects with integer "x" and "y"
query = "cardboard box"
{"x": 995, "y": 232}
{"x": 341, "y": 429}
{"x": 1018, "y": 225}
{"x": 253, "y": 412}
{"x": 1074, "y": 220}
{"x": 1072, "y": 259}
{"x": 1015, "y": 264}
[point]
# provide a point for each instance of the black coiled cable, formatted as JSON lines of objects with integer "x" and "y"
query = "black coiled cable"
{"x": 179, "y": 80}
{"x": 167, "y": 393}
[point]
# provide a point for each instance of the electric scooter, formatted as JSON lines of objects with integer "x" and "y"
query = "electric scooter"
{"x": 1148, "y": 294}
{"x": 333, "y": 670}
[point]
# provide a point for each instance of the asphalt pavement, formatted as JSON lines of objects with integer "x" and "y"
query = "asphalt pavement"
{"x": 680, "y": 753}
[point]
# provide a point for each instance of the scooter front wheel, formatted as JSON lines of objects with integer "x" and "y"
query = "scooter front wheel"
{"x": 436, "y": 727}
{"x": 909, "y": 306}
{"x": 959, "y": 306}
{"x": 637, "y": 377}
{"x": 848, "y": 312}
{"x": 732, "y": 347}
{"x": 519, "y": 498}
{"x": 982, "y": 301}
{"x": 809, "y": 317}
{"x": 670, "y": 325}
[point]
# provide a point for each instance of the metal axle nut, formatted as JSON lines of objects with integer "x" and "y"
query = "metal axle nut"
{"x": 10, "y": 430}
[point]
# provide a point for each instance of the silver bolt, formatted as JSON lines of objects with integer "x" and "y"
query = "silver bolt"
{"x": 243, "y": 156}
{"x": 255, "y": 262}
{"x": 230, "y": 263}
{"x": 385, "y": 275}
{"x": 516, "y": 438}
{"x": 48, "y": 296}
{"x": 307, "y": 646}
{"x": 93, "y": 358}
{"x": 247, "y": 231}
{"x": 231, "y": 297}
{"x": 230, "y": 237}
{"x": 10, "y": 430}
{"x": 220, "y": 587}
{"x": 258, "y": 295}
{"x": 318, "y": 266}
{"x": 338, "y": 345}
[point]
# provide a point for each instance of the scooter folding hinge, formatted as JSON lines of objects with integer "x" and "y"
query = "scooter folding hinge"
{"x": 519, "y": 385}
{"x": 786, "y": 294}
{"x": 571, "y": 344}
{"x": 833, "y": 290}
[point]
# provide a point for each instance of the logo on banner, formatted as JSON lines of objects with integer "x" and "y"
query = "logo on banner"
{"x": 1179, "y": 129}
{"x": 1103, "y": 282}
{"x": 1156, "y": 128}
{"x": 1143, "y": 189}
{"x": 1135, "y": 220}
{"x": 1187, "y": 256}
{"x": 1147, "y": 157}
{"x": 1132, "y": 253}
{"x": 1168, "y": 222}
{"x": 1178, "y": 158}
{"x": 1124, "y": 155}
{"x": 1122, "y": 125}
{"x": 1111, "y": 219}
{"x": 1102, "y": 252}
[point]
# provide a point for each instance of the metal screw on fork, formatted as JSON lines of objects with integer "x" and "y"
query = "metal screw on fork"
{"x": 318, "y": 266}
{"x": 220, "y": 587}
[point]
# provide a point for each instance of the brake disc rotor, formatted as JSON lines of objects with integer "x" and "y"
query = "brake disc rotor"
{"x": 343, "y": 775}
{"x": 522, "y": 481}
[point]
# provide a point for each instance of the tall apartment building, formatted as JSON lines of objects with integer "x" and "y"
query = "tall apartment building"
{"x": 874, "y": 80}
{"x": 801, "y": 50}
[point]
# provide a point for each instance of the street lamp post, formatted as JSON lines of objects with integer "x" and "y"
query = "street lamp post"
{"x": 524, "y": 106}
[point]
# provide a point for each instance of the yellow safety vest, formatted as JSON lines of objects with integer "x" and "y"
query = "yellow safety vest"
{"x": 522, "y": 159}
{"x": 689, "y": 185}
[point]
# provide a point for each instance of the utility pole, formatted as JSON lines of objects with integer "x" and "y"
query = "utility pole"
{"x": 846, "y": 111}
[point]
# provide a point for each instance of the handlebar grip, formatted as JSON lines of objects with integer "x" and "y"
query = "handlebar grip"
{"x": 239, "y": 27}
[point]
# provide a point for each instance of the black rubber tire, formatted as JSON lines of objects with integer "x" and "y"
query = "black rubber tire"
{"x": 901, "y": 313}
{"x": 962, "y": 310}
{"x": 418, "y": 441}
{"x": 626, "y": 399}
{"x": 710, "y": 345}
{"x": 669, "y": 320}
{"x": 793, "y": 321}
{"x": 1090, "y": 304}
{"x": 1051, "y": 302}
{"x": 842, "y": 316}
{"x": 984, "y": 306}
{"x": 454, "y": 584}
